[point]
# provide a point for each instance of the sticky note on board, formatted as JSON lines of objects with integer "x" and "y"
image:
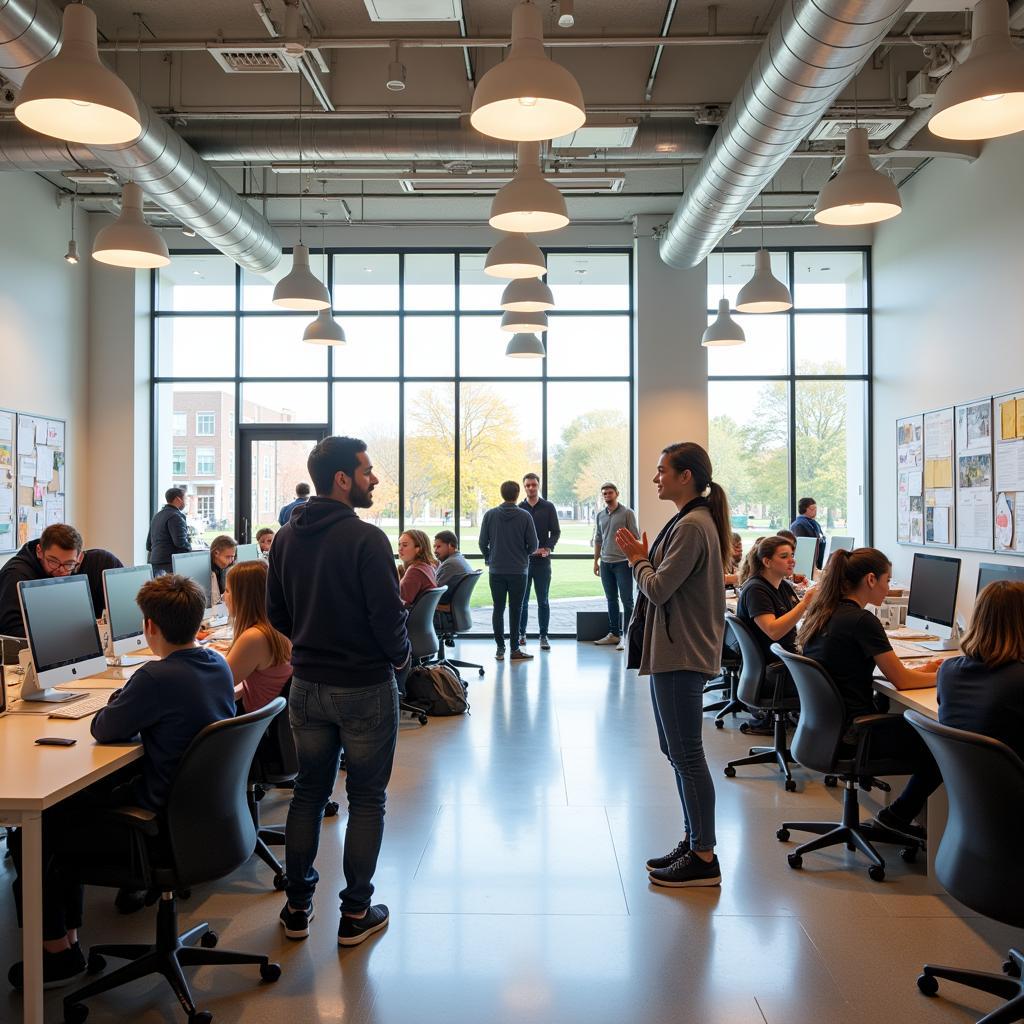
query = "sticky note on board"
{"x": 1008, "y": 420}
{"x": 1020, "y": 417}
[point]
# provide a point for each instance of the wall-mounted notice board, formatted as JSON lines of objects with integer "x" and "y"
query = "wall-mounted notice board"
{"x": 40, "y": 474}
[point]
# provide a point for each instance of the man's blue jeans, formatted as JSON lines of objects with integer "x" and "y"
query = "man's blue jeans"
{"x": 617, "y": 579}
{"x": 325, "y": 720}
{"x": 540, "y": 576}
{"x": 507, "y": 587}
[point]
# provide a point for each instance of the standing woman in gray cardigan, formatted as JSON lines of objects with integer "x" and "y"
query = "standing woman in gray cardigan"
{"x": 682, "y": 615}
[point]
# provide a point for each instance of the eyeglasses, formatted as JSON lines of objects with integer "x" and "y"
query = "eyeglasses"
{"x": 54, "y": 564}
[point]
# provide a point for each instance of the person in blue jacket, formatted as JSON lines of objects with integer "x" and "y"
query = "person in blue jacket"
{"x": 806, "y": 525}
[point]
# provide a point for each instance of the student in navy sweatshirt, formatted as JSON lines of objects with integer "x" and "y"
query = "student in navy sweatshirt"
{"x": 168, "y": 702}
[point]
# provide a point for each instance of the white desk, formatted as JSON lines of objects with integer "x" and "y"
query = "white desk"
{"x": 33, "y": 778}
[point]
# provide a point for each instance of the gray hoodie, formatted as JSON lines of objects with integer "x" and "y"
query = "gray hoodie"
{"x": 507, "y": 539}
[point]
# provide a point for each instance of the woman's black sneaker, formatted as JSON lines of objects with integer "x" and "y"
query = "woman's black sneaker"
{"x": 657, "y": 863}
{"x": 890, "y": 819}
{"x": 354, "y": 930}
{"x": 58, "y": 968}
{"x": 688, "y": 872}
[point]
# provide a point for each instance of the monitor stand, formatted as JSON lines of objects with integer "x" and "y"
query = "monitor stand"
{"x": 952, "y": 644}
{"x": 30, "y": 689}
{"x": 125, "y": 661}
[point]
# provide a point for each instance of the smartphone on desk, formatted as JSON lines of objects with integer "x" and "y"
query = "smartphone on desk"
{"x": 55, "y": 741}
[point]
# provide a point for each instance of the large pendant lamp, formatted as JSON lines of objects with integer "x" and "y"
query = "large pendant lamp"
{"x": 525, "y": 346}
{"x": 983, "y": 98}
{"x": 515, "y": 256}
{"x": 724, "y": 330}
{"x": 858, "y": 194}
{"x": 527, "y": 97}
{"x": 525, "y": 323}
{"x": 527, "y": 295}
{"x": 528, "y": 202}
{"x": 73, "y": 96}
{"x": 764, "y": 292}
{"x": 130, "y": 241}
{"x": 324, "y": 330}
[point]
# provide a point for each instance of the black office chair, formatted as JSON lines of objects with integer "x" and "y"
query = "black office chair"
{"x": 818, "y": 745}
{"x": 455, "y": 616}
{"x": 978, "y": 859}
{"x": 204, "y": 833}
{"x": 728, "y": 681}
{"x": 423, "y": 638}
{"x": 763, "y": 687}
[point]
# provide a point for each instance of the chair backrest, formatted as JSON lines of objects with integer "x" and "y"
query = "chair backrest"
{"x": 751, "y": 682}
{"x": 822, "y": 712}
{"x": 462, "y": 591}
{"x": 420, "y": 625}
{"x": 276, "y": 759}
{"x": 209, "y": 825}
{"x": 978, "y": 860}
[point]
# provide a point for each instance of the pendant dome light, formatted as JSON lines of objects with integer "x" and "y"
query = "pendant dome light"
{"x": 724, "y": 331}
{"x": 528, "y": 202}
{"x": 526, "y": 323}
{"x": 764, "y": 292}
{"x": 525, "y": 346}
{"x": 324, "y": 330}
{"x": 527, "y": 97}
{"x": 130, "y": 241}
{"x": 514, "y": 257}
{"x": 527, "y": 295}
{"x": 983, "y": 98}
{"x": 73, "y": 96}
{"x": 858, "y": 194}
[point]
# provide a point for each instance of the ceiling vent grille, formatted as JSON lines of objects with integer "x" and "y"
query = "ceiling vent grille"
{"x": 835, "y": 129}
{"x": 264, "y": 61}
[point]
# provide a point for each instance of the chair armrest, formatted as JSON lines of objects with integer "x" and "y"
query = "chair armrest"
{"x": 136, "y": 818}
{"x": 444, "y": 608}
{"x": 862, "y": 727}
{"x": 866, "y": 722}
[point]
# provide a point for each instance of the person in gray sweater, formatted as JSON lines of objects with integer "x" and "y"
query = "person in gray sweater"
{"x": 507, "y": 539}
{"x": 679, "y": 624}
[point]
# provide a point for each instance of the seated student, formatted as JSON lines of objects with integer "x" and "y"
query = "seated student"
{"x": 265, "y": 538}
{"x": 417, "y": 565}
{"x": 850, "y": 643}
{"x": 223, "y": 550}
{"x": 454, "y": 564}
{"x": 259, "y": 656}
{"x": 58, "y": 552}
{"x": 169, "y": 702}
{"x": 798, "y": 578}
{"x": 983, "y": 690}
{"x": 732, "y": 571}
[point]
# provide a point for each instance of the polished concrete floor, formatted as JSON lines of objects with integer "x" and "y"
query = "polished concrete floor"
{"x": 513, "y": 866}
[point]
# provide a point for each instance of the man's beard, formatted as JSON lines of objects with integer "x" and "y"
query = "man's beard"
{"x": 360, "y": 498}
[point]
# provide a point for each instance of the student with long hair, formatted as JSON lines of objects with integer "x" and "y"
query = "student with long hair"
{"x": 682, "y": 619}
{"x": 732, "y": 567}
{"x": 419, "y": 562}
{"x": 850, "y": 643}
{"x": 983, "y": 690}
{"x": 260, "y": 657}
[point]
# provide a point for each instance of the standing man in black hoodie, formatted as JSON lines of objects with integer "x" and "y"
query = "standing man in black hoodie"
{"x": 545, "y": 520}
{"x": 168, "y": 532}
{"x": 332, "y": 590}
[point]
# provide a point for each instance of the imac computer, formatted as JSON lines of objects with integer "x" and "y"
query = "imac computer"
{"x": 247, "y": 553}
{"x": 123, "y": 615}
{"x": 989, "y": 572}
{"x": 838, "y": 544}
{"x": 196, "y": 566}
{"x": 64, "y": 643}
{"x": 931, "y": 606}
{"x": 806, "y": 554}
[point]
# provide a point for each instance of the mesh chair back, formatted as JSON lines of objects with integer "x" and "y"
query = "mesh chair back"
{"x": 420, "y": 625}
{"x": 750, "y": 689}
{"x": 822, "y": 712}
{"x": 276, "y": 759}
{"x": 209, "y": 826}
{"x": 978, "y": 860}
{"x": 461, "y": 594}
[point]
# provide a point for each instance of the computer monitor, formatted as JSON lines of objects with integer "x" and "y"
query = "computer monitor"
{"x": 989, "y": 572}
{"x": 124, "y": 617}
{"x": 63, "y": 639}
{"x": 196, "y": 566}
{"x": 247, "y": 553}
{"x": 931, "y": 606}
{"x": 836, "y": 543}
{"x": 806, "y": 554}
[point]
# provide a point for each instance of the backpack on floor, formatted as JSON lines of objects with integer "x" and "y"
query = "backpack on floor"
{"x": 438, "y": 689}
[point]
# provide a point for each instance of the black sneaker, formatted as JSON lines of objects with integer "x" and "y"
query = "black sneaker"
{"x": 296, "y": 922}
{"x": 760, "y": 727}
{"x": 354, "y": 930}
{"x": 657, "y": 863}
{"x": 545, "y": 644}
{"x": 888, "y": 818}
{"x": 520, "y": 656}
{"x": 688, "y": 872}
{"x": 499, "y": 654}
{"x": 58, "y": 968}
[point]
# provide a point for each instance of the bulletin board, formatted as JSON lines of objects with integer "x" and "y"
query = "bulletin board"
{"x": 973, "y": 437}
{"x": 8, "y": 522}
{"x": 939, "y": 508}
{"x": 910, "y": 480}
{"x": 40, "y": 473}
{"x": 1008, "y": 511}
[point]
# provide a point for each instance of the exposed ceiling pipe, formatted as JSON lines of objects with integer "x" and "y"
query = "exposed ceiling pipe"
{"x": 666, "y": 24}
{"x": 811, "y": 52}
{"x": 164, "y": 166}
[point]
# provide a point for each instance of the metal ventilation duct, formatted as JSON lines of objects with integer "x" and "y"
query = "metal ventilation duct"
{"x": 165, "y": 167}
{"x": 813, "y": 49}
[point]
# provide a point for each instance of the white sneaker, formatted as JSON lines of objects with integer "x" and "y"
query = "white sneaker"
{"x": 610, "y": 640}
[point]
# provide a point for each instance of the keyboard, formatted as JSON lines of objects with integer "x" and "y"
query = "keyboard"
{"x": 903, "y": 651}
{"x": 82, "y": 706}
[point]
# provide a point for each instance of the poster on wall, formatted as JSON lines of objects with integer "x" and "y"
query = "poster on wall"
{"x": 909, "y": 480}
{"x": 40, "y": 475}
{"x": 1008, "y": 509}
{"x": 8, "y": 456}
{"x": 939, "y": 509}
{"x": 974, "y": 503}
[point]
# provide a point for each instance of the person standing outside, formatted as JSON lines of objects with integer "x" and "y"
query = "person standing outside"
{"x": 683, "y": 623}
{"x": 611, "y": 564}
{"x": 168, "y": 532}
{"x": 545, "y": 522}
{"x": 333, "y": 591}
{"x": 301, "y": 497}
{"x": 806, "y": 525}
{"x": 507, "y": 540}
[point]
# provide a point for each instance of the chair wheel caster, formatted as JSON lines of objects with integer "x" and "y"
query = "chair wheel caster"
{"x": 480, "y": 673}
{"x": 831, "y": 781}
{"x": 782, "y": 835}
{"x": 795, "y": 861}
{"x": 270, "y": 972}
{"x": 730, "y": 772}
{"x": 75, "y": 1013}
{"x": 719, "y": 724}
{"x": 744, "y": 728}
{"x": 790, "y": 785}
{"x": 1011, "y": 968}
{"x": 927, "y": 985}
{"x": 909, "y": 854}
{"x": 97, "y": 963}
{"x": 422, "y": 719}
{"x": 200, "y": 1017}
{"x": 331, "y": 809}
{"x": 876, "y": 874}
{"x": 280, "y": 882}
{"x": 209, "y": 939}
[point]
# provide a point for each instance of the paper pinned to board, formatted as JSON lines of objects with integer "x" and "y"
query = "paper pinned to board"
{"x": 53, "y": 509}
{"x": 1008, "y": 420}
{"x": 26, "y": 471}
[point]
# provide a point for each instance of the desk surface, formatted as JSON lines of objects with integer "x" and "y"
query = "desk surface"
{"x": 925, "y": 700}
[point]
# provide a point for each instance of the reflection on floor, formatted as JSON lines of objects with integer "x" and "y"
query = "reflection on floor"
{"x": 513, "y": 865}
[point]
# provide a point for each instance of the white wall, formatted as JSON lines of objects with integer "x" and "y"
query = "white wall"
{"x": 44, "y": 312}
{"x": 948, "y": 328}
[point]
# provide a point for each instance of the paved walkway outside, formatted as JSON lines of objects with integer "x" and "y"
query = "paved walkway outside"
{"x": 563, "y": 615}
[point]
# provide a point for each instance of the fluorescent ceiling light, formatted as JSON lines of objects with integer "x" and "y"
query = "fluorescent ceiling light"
{"x": 764, "y": 292}
{"x": 724, "y": 330}
{"x": 527, "y": 295}
{"x": 130, "y": 241}
{"x": 513, "y": 257}
{"x": 858, "y": 194}
{"x": 300, "y": 288}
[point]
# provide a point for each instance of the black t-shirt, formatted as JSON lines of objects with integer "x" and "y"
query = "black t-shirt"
{"x": 846, "y": 648}
{"x": 980, "y": 699}
{"x": 759, "y": 597}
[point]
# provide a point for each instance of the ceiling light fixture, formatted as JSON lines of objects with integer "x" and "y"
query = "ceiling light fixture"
{"x": 724, "y": 330}
{"x": 188, "y": 231}
{"x": 528, "y": 323}
{"x": 566, "y": 13}
{"x": 71, "y": 256}
{"x": 73, "y": 96}
{"x": 514, "y": 257}
{"x": 858, "y": 194}
{"x": 527, "y": 97}
{"x": 527, "y": 295}
{"x": 983, "y": 98}
{"x": 130, "y": 241}
{"x": 528, "y": 202}
{"x": 324, "y": 330}
{"x": 396, "y": 72}
{"x": 764, "y": 292}
{"x": 525, "y": 346}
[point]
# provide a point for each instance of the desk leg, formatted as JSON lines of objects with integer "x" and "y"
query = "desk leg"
{"x": 32, "y": 904}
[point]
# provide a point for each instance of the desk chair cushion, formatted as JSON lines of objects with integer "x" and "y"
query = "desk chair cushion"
{"x": 422, "y": 635}
{"x": 457, "y": 600}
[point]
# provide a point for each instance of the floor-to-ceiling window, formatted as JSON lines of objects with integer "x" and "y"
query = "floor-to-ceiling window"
{"x": 423, "y": 378}
{"x": 789, "y": 411}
